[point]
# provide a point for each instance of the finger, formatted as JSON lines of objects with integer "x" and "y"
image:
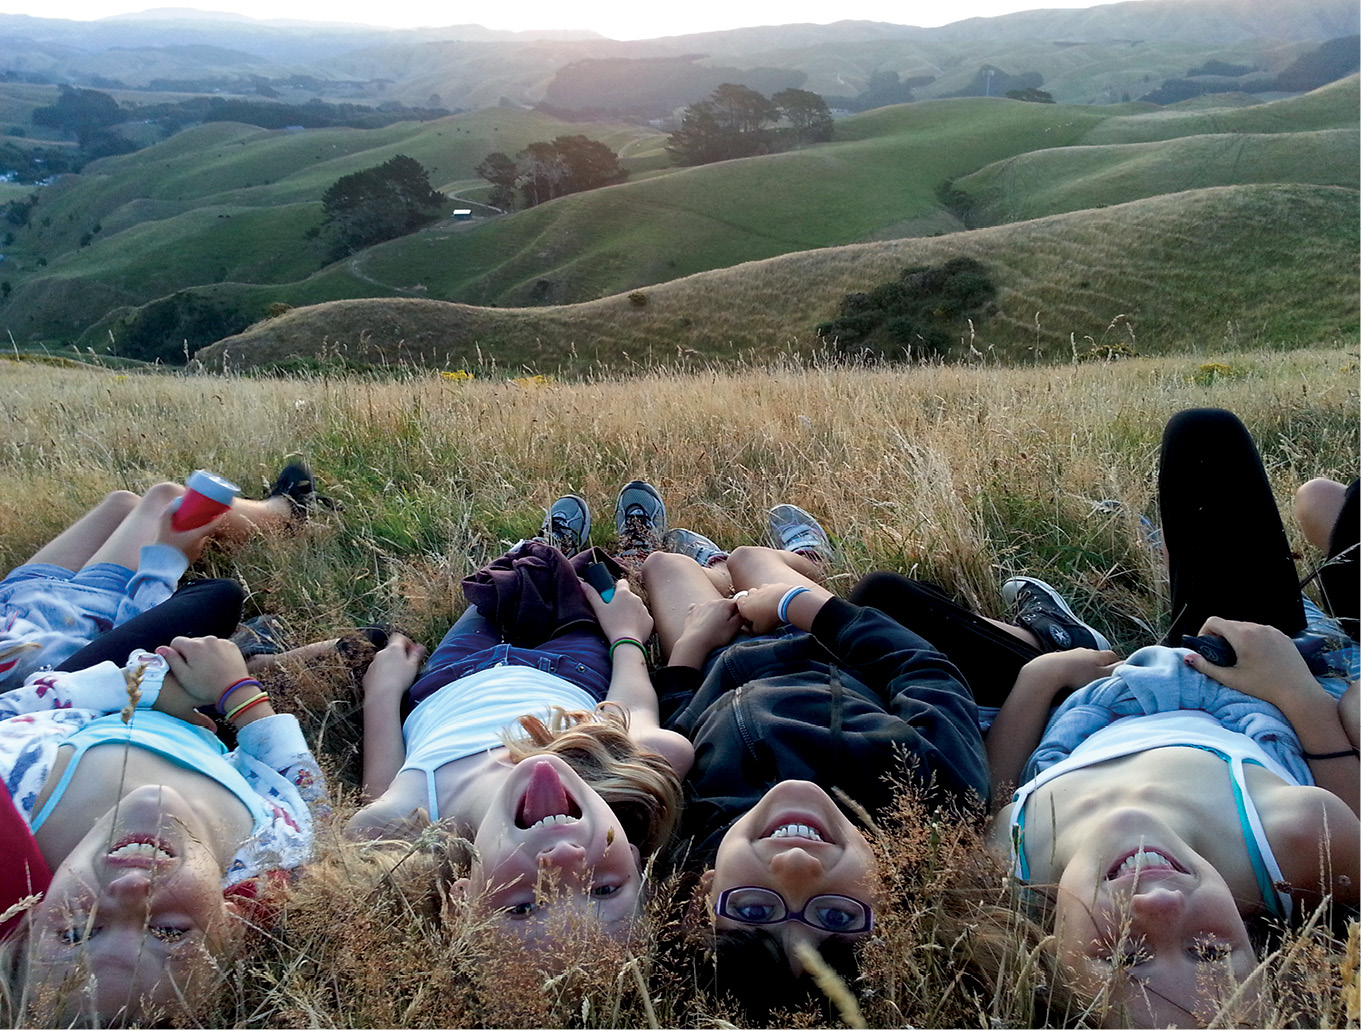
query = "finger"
{"x": 178, "y": 666}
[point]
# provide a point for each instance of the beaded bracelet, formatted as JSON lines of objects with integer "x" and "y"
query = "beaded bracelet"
{"x": 242, "y": 682}
{"x": 1350, "y": 752}
{"x": 629, "y": 640}
{"x": 244, "y": 706}
{"x": 783, "y": 610}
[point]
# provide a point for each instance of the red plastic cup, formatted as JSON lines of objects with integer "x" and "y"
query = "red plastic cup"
{"x": 207, "y": 497}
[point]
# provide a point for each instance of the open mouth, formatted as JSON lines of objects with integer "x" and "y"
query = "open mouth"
{"x": 1144, "y": 860}
{"x": 797, "y": 827}
{"x": 141, "y": 850}
{"x": 545, "y": 801}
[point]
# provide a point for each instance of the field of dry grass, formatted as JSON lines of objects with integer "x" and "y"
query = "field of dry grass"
{"x": 959, "y": 474}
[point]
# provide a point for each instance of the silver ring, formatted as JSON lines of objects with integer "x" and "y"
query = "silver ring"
{"x": 740, "y": 594}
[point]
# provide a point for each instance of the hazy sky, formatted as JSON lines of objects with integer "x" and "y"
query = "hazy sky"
{"x": 620, "y": 19}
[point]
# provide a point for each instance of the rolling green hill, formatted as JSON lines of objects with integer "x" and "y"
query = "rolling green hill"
{"x": 1049, "y": 182}
{"x": 1204, "y": 271}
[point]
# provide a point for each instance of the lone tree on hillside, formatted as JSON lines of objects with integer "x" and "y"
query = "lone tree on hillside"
{"x": 806, "y": 113}
{"x": 545, "y": 171}
{"x": 377, "y": 204}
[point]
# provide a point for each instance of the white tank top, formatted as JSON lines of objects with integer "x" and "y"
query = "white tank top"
{"x": 467, "y": 716}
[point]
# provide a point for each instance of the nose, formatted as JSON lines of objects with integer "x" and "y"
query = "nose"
{"x": 132, "y": 885}
{"x": 794, "y": 865}
{"x": 1156, "y": 911}
{"x": 565, "y": 856}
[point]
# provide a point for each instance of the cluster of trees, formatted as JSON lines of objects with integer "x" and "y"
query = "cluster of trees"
{"x": 543, "y": 171}
{"x": 919, "y": 314}
{"x": 90, "y": 116}
{"x": 380, "y": 203}
{"x": 882, "y": 89}
{"x": 737, "y": 121}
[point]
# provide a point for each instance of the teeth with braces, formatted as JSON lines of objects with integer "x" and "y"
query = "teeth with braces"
{"x": 1143, "y": 859}
{"x": 139, "y": 849}
{"x": 802, "y": 830}
{"x": 552, "y": 820}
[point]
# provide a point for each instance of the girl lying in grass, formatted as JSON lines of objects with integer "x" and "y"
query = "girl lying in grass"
{"x": 534, "y": 734}
{"x": 809, "y": 714}
{"x": 121, "y": 562}
{"x": 153, "y": 831}
{"x": 1171, "y": 803}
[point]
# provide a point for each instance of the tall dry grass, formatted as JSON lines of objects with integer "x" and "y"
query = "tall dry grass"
{"x": 959, "y": 474}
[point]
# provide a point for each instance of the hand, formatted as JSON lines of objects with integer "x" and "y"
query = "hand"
{"x": 204, "y": 666}
{"x": 1069, "y": 670}
{"x": 710, "y": 624}
{"x": 172, "y": 700}
{"x": 394, "y": 668}
{"x": 760, "y": 606}
{"x": 624, "y": 616}
{"x": 191, "y": 541}
{"x": 1269, "y": 666}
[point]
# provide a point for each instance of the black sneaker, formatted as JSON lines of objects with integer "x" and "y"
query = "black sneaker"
{"x": 567, "y": 525}
{"x": 296, "y": 483}
{"x": 639, "y": 518}
{"x": 262, "y": 635}
{"x": 1040, "y": 609}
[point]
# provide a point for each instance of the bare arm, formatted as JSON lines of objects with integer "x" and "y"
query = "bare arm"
{"x": 392, "y": 671}
{"x": 625, "y": 617}
{"x": 1016, "y": 731}
{"x": 1270, "y": 668}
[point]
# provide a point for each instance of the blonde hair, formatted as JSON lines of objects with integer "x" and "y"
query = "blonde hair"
{"x": 639, "y": 785}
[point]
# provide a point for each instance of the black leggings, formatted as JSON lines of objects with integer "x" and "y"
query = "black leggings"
{"x": 1227, "y": 552}
{"x": 205, "y": 607}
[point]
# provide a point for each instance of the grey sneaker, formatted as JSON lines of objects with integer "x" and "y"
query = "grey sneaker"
{"x": 639, "y": 518}
{"x": 567, "y": 526}
{"x": 793, "y": 529}
{"x": 697, "y": 546}
{"x": 1040, "y": 609}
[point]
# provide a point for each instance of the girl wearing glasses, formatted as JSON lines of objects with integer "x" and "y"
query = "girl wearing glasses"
{"x": 790, "y": 694}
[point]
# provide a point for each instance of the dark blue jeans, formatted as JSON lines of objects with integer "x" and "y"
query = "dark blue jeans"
{"x": 581, "y": 657}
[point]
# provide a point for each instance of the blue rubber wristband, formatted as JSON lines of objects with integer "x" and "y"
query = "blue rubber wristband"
{"x": 783, "y": 610}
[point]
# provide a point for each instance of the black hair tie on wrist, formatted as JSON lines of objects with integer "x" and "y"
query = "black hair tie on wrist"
{"x": 1350, "y": 752}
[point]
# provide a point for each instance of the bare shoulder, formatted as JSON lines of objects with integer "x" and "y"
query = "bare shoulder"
{"x": 999, "y": 831}
{"x": 396, "y": 815}
{"x": 674, "y": 747}
{"x": 1316, "y": 838}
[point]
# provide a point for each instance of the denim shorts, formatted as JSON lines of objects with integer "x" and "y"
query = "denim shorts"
{"x": 53, "y": 596}
{"x": 474, "y": 644}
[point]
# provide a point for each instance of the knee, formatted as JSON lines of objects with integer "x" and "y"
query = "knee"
{"x": 1318, "y": 503}
{"x": 119, "y": 502}
{"x": 158, "y": 496}
{"x": 743, "y": 560}
{"x": 660, "y": 566}
{"x": 874, "y": 587}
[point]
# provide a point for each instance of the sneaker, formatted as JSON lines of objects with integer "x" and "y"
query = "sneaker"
{"x": 793, "y": 529}
{"x": 567, "y": 526}
{"x": 262, "y": 635}
{"x": 697, "y": 546}
{"x": 639, "y": 518}
{"x": 296, "y": 483}
{"x": 1040, "y": 609}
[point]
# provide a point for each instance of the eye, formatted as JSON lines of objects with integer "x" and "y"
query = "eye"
{"x": 753, "y": 912}
{"x": 1128, "y": 954}
{"x": 605, "y": 890}
{"x": 167, "y": 933}
{"x": 77, "y": 933}
{"x": 1211, "y": 951}
{"x": 521, "y": 911}
{"x": 834, "y": 918}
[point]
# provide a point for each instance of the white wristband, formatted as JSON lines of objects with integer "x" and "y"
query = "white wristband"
{"x": 783, "y": 610}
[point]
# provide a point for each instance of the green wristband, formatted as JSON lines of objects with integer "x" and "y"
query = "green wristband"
{"x": 629, "y": 640}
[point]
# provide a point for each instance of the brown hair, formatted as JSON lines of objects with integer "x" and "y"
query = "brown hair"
{"x": 640, "y": 786}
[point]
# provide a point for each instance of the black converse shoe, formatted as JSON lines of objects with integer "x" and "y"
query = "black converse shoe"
{"x": 296, "y": 483}
{"x": 1040, "y": 609}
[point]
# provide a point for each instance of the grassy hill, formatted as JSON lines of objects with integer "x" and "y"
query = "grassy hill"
{"x": 222, "y": 209}
{"x": 1072, "y": 178}
{"x": 1205, "y": 270}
